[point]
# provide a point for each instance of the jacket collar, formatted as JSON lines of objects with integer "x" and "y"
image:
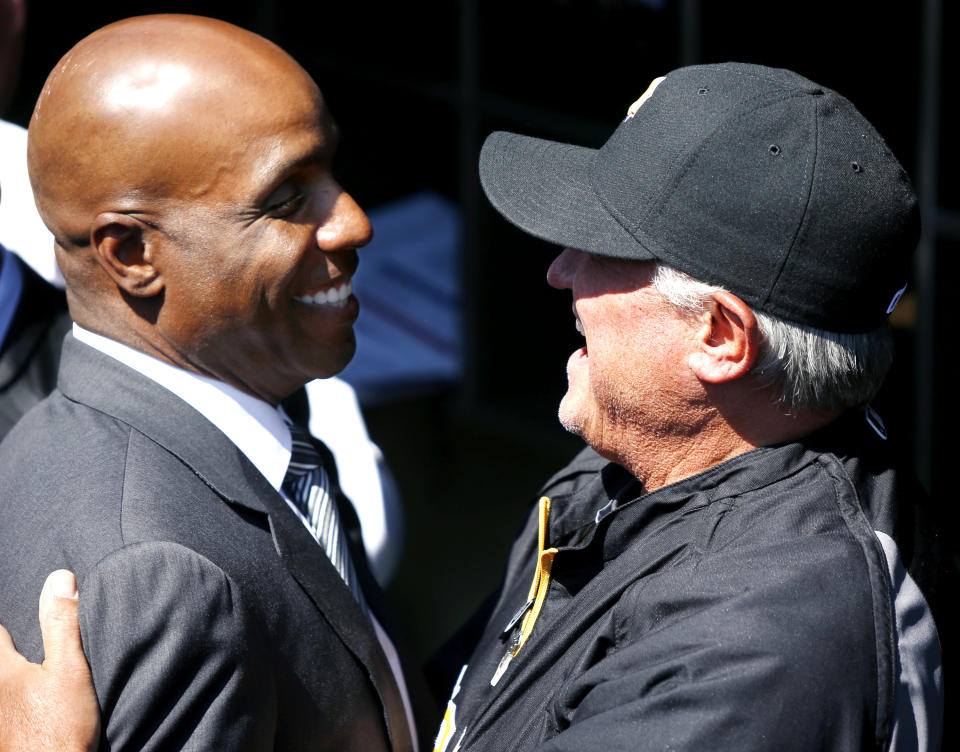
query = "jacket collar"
{"x": 616, "y": 499}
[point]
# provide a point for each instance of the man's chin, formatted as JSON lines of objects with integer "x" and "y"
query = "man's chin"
{"x": 571, "y": 418}
{"x": 335, "y": 359}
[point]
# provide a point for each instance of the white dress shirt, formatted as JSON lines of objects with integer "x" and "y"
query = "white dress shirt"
{"x": 365, "y": 477}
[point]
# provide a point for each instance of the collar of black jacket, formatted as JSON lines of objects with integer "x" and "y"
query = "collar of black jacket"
{"x": 593, "y": 497}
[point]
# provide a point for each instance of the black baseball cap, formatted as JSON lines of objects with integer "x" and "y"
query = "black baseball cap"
{"x": 751, "y": 178}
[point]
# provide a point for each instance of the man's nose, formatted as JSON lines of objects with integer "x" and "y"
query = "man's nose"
{"x": 560, "y": 273}
{"x": 346, "y": 226}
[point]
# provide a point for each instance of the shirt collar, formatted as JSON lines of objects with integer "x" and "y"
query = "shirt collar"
{"x": 258, "y": 429}
{"x": 11, "y": 287}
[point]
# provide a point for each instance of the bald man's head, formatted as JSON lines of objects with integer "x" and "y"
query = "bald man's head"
{"x": 184, "y": 167}
{"x": 127, "y": 113}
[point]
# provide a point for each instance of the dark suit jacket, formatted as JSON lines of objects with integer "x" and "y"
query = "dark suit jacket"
{"x": 30, "y": 353}
{"x": 210, "y": 617}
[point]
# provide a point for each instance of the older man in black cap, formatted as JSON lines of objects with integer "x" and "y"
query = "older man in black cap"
{"x": 733, "y": 563}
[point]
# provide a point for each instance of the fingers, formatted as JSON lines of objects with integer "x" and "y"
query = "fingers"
{"x": 10, "y": 660}
{"x": 6, "y": 641}
{"x": 50, "y": 707}
{"x": 69, "y": 705}
{"x": 59, "y": 622}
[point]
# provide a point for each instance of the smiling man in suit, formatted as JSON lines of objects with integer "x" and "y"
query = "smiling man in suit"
{"x": 184, "y": 168}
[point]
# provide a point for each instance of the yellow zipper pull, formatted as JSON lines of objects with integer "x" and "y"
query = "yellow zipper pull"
{"x": 544, "y": 566}
{"x": 538, "y": 593}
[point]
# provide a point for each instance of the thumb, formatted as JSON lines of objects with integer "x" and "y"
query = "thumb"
{"x": 60, "y": 621}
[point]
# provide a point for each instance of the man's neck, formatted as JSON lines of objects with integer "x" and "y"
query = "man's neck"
{"x": 660, "y": 460}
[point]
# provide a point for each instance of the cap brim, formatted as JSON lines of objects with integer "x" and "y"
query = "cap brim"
{"x": 543, "y": 187}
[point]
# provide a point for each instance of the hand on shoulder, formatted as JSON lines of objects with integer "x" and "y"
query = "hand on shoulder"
{"x": 49, "y": 707}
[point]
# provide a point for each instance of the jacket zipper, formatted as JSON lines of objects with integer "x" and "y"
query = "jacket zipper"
{"x": 530, "y": 611}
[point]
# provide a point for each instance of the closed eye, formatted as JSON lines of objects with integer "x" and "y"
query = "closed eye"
{"x": 284, "y": 201}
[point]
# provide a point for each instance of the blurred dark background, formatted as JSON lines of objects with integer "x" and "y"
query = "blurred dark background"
{"x": 416, "y": 86}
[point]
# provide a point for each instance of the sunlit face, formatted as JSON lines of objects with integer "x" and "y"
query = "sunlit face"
{"x": 263, "y": 246}
{"x": 627, "y": 383}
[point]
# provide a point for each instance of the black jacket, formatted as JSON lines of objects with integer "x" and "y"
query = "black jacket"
{"x": 750, "y": 607}
{"x": 30, "y": 353}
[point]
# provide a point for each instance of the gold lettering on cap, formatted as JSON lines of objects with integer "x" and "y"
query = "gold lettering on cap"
{"x": 632, "y": 110}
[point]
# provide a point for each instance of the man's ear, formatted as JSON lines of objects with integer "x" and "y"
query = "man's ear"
{"x": 126, "y": 254}
{"x": 728, "y": 341}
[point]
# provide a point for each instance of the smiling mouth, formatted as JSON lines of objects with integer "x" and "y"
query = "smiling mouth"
{"x": 336, "y": 297}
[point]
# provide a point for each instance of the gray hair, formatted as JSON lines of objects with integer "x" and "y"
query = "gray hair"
{"x": 810, "y": 369}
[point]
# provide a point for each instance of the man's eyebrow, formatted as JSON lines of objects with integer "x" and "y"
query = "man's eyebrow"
{"x": 320, "y": 152}
{"x": 324, "y": 150}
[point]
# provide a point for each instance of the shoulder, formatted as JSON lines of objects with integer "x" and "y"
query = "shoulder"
{"x": 70, "y": 476}
{"x": 61, "y": 471}
{"x": 786, "y": 602}
{"x": 84, "y": 450}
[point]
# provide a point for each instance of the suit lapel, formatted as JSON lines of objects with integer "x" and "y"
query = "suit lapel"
{"x": 105, "y": 384}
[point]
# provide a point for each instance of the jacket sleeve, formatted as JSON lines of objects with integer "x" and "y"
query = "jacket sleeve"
{"x": 175, "y": 658}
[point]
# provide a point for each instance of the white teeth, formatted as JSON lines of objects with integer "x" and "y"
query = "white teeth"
{"x": 576, "y": 319}
{"x": 336, "y": 297}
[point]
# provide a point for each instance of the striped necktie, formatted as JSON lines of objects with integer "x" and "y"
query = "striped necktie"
{"x": 308, "y": 487}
